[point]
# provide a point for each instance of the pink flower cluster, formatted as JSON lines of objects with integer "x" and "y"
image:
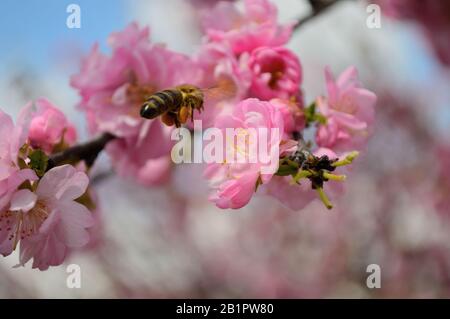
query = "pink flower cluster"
{"x": 269, "y": 77}
{"x": 114, "y": 87}
{"x": 46, "y": 208}
{"x": 38, "y": 209}
{"x": 243, "y": 49}
{"x": 349, "y": 112}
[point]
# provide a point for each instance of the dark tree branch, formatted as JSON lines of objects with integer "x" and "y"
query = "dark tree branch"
{"x": 86, "y": 152}
{"x": 318, "y": 7}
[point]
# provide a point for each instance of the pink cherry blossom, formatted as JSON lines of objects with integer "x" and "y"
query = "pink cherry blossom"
{"x": 293, "y": 115}
{"x": 255, "y": 27}
{"x": 218, "y": 66}
{"x": 276, "y": 73}
{"x": 293, "y": 196}
{"x": 113, "y": 89}
{"x": 349, "y": 112}
{"x": 234, "y": 182}
{"x": 48, "y": 222}
{"x": 13, "y": 137}
{"x": 50, "y": 127}
{"x": 146, "y": 156}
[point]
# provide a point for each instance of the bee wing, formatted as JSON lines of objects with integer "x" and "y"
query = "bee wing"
{"x": 224, "y": 90}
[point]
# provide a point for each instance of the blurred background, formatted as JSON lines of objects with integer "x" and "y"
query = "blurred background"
{"x": 171, "y": 242}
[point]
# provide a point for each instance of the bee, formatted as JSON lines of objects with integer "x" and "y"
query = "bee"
{"x": 176, "y": 105}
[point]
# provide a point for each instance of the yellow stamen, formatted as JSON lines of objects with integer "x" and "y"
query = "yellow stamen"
{"x": 324, "y": 198}
{"x": 333, "y": 177}
{"x": 347, "y": 160}
{"x": 301, "y": 174}
{"x": 18, "y": 228}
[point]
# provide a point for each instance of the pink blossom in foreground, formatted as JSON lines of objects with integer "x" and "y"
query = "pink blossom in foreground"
{"x": 276, "y": 73}
{"x": 113, "y": 89}
{"x": 49, "y": 127}
{"x": 255, "y": 27}
{"x": 235, "y": 183}
{"x": 13, "y": 137}
{"x": 48, "y": 222}
{"x": 349, "y": 112}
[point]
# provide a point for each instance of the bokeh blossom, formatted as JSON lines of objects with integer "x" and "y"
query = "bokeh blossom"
{"x": 49, "y": 127}
{"x": 255, "y": 27}
{"x": 349, "y": 112}
{"x": 432, "y": 16}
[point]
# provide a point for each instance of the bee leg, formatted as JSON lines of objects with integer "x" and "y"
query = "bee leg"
{"x": 167, "y": 119}
{"x": 183, "y": 113}
{"x": 177, "y": 122}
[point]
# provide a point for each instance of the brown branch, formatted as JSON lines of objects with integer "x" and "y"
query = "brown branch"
{"x": 318, "y": 7}
{"x": 86, "y": 152}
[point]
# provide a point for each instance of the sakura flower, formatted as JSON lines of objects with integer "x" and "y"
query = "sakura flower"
{"x": 349, "y": 112}
{"x": 235, "y": 182}
{"x": 293, "y": 196}
{"x": 220, "y": 68}
{"x": 49, "y": 127}
{"x": 48, "y": 222}
{"x": 145, "y": 156}
{"x": 293, "y": 115}
{"x": 113, "y": 90}
{"x": 276, "y": 73}
{"x": 255, "y": 27}
{"x": 13, "y": 137}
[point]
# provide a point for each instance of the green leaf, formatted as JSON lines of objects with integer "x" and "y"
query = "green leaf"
{"x": 286, "y": 170}
{"x": 310, "y": 112}
{"x": 312, "y": 116}
{"x": 38, "y": 162}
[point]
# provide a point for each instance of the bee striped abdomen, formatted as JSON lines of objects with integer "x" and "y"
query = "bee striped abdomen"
{"x": 161, "y": 102}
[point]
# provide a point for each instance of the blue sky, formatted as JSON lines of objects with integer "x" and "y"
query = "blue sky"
{"x": 30, "y": 30}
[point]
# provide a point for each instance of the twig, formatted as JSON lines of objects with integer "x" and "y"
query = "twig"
{"x": 318, "y": 7}
{"x": 87, "y": 152}
{"x": 101, "y": 177}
